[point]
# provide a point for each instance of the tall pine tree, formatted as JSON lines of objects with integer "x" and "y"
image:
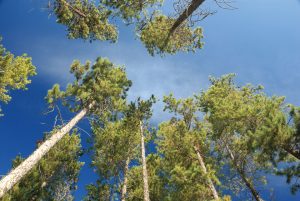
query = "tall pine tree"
{"x": 97, "y": 90}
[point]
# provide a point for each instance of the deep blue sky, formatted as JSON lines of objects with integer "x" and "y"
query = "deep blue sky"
{"x": 259, "y": 42}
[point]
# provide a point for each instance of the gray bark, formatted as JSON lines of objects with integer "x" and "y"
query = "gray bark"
{"x": 124, "y": 187}
{"x": 202, "y": 165}
{"x": 19, "y": 172}
{"x": 145, "y": 173}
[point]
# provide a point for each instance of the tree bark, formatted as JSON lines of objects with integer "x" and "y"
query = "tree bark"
{"x": 183, "y": 16}
{"x": 250, "y": 186}
{"x": 124, "y": 187}
{"x": 145, "y": 173}
{"x": 19, "y": 172}
{"x": 295, "y": 153}
{"x": 202, "y": 165}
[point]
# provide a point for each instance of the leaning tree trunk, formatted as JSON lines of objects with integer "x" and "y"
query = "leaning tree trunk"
{"x": 124, "y": 187}
{"x": 202, "y": 165}
{"x": 183, "y": 16}
{"x": 293, "y": 152}
{"x": 145, "y": 174}
{"x": 249, "y": 185}
{"x": 19, "y": 172}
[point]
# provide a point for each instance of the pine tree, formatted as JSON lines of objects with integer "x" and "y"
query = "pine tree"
{"x": 116, "y": 143}
{"x": 183, "y": 144}
{"x": 160, "y": 33}
{"x": 14, "y": 73}
{"x": 114, "y": 146}
{"x": 55, "y": 176}
{"x": 156, "y": 38}
{"x": 156, "y": 181}
{"x": 96, "y": 91}
{"x": 236, "y": 113}
{"x": 142, "y": 112}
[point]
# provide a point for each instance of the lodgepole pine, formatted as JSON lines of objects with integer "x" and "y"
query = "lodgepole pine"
{"x": 187, "y": 131}
{"x": 98, "y": 89}
{"x": 159, "y": 32}
{"x": 19, "y": 172}
{"x": 145, "y": 173}
{"x": 139, "y": 113}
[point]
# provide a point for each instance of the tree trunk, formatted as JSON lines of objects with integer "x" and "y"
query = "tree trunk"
{"x": 19, "y": 172}
{"x": 293, "y": 152}
{"x": 124, "y": 187}
{"x": 183, "y": 16}
{"x": 202, "y": 165}
{"x": 145, "y": 174}
{"x": 250, "y": 186}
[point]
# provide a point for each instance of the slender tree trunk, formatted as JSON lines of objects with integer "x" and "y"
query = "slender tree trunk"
{"x": 124, "y": 187}
{"x": 145, "y": 174}
{"x": 19, "y": 172}
{"x": 250, "y": 186}
{"x": 202, "y": 165}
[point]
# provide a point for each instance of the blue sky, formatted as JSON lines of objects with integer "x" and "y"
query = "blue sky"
{"x": 259, "y": 42}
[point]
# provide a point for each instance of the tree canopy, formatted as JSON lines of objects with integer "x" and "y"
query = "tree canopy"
{"x": 219, "y": 144}
{"x": 14, "y": 73}
{"x": 160, "y": 33}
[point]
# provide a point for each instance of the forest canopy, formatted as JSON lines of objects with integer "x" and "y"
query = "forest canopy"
{"x": 104, "y": 139}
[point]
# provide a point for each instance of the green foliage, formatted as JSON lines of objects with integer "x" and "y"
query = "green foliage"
{"x": 90, "y": 20}
{"x": 239, "y": 117}
{"x": 102, "y": 85}
{"x": 288, "y": 151}
{"x": 102, "y": 88}
{"x": 99, "y": 192}
{"x": 116, "y": 141}
{"x": 292, "y": 174}
{"x": 110, "y": 148}
{"x": 130, "y": 10}
{"x": 135, "y": 186}
{"x": 157, "y": 40}
{"x": 54, "y": 178}
{"x": 244, "y": 113}
{"x": 176, "y": 141}
{"x": 242, "y": 129}
{"x": 240, "y": 111}
{"x": 156, "y": 181}
{"x": 141, "y": 109}
{"x": 14, "y": 73}
{"x": 85, "y": 20}
{"x": 113, "y": 145}
{"x": 174, "y": 171}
